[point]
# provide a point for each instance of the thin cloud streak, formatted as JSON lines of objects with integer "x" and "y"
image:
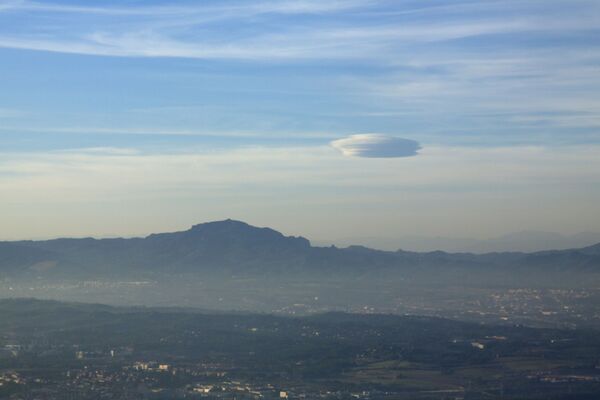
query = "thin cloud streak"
{"x": 160, "y": 36}
{"x": 160, "y": 132}
{"x": 239, "y": 9}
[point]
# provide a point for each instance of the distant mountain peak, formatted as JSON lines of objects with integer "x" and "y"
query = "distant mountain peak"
{"x": 235, "y": 230}
{"x": 231, "y": 223}
{"x": 233, "y": 227}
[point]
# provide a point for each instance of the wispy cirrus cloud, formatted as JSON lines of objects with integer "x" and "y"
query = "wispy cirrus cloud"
{"x": 225, "y": 7}
{"x": 475, "y": 66}
{"x": 201, "y": 31}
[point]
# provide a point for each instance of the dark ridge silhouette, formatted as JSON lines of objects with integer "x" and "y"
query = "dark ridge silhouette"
{"x": 239, "y": 248}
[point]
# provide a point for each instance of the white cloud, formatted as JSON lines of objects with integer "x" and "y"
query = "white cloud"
{"x": 108, "y": 151}
{"x": 372, "y": 145}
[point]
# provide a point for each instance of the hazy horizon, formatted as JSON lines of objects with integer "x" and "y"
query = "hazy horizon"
{"x": 522, "y": 241}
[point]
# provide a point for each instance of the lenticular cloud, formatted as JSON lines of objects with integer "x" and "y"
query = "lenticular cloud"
{"x": 374, "y": 145}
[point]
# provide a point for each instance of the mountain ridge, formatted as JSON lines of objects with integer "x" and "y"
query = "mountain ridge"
{"x": 231, "y": 246}
{"x": 527, "y": 241}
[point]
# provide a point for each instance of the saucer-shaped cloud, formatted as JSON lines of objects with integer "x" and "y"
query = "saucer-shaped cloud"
{"x": 376, "y": 146}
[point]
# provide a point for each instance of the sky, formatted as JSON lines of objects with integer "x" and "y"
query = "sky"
{"x": 326, "y": 119}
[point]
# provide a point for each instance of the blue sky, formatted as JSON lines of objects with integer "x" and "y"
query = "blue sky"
{"x": 129, "y": 117}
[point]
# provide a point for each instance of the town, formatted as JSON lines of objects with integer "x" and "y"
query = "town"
{"x": 51, "y": 350}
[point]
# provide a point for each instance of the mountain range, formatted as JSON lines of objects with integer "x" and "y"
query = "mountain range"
{"x": 234, "y": 247}
{"x": 523, "y": 241}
